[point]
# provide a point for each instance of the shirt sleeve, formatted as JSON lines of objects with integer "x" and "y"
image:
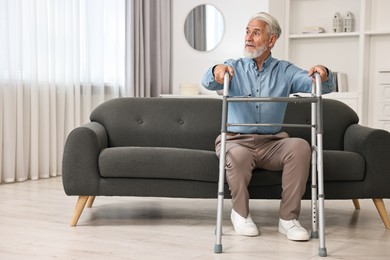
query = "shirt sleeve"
{"x": 209, "y": 82}
{"x": 302, "y": 82}
{"x": 328, "y": 85}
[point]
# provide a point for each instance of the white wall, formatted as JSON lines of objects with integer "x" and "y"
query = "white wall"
{"x": 189, "y": 65}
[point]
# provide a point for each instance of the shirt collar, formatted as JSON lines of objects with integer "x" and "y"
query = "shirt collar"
{"x": 266, "y": 63}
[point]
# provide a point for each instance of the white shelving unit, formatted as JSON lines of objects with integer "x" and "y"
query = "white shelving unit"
{"x": 379, "y": 63}
{"x": 322, "y": 35}
{"x": 360, "y": 53}
{"x": 381, "y": 108}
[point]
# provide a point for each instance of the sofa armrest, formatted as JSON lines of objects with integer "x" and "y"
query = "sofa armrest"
{"x": 80, "y": 171}
{"x": 374, "y": 145}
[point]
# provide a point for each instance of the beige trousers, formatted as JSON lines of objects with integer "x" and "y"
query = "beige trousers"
{"x": 245, "y": 152}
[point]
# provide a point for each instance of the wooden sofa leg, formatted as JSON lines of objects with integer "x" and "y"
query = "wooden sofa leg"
{"x": 91, "y": 199}
{"x": 356, "y": 203}
{"x": 82, "y": 200}
{"x": 380, "y": 206}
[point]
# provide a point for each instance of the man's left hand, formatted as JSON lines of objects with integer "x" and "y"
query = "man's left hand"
{"x": 321, "y": 70}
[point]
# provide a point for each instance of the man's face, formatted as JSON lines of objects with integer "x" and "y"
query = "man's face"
{"x": 257, "y": 39}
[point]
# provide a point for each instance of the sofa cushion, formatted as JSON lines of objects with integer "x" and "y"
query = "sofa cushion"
{"x": 198, "y": 165}
{"x": 338, "y": 166}
{"x": 343, "y": 166}
{"x": 159, "y": 163}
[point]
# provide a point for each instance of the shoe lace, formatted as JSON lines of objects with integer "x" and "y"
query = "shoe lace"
{"x": 245, "y": 220}
{"x": 296, "y": 222}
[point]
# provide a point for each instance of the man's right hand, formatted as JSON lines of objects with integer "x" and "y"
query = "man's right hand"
{"x": 219, "y": 72}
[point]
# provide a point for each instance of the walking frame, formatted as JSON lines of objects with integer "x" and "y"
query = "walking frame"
{"x": 317, "y": 196}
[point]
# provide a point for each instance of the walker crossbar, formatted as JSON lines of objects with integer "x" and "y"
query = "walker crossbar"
{"x": 289, "y": 125}
{"x": 317, "y": 155}
{"x": 273, "y": 99}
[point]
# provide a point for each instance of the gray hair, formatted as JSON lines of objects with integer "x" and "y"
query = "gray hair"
{"x": 272, "y": 24}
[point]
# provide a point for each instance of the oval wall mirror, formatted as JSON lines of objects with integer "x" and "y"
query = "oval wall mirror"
{"x": 204, "y": 27}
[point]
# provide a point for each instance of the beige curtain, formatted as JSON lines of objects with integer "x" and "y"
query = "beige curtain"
{"x": 58, "y": 60}
{"x": 148, "y": 47}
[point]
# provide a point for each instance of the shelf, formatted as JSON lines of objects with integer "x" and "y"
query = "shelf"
{"x": 336, "y": 35}
{"x": 323, "y": 35}
{"x": 377, "y": 33}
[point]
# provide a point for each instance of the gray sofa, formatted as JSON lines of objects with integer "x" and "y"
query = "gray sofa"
{"x": 164, "y": 147}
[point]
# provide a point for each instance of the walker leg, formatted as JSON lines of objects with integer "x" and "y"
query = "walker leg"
{"x": 322, "y": 252}
{"x": 314, "y": 215}
{"x": 221, "y": 183}
{"x": 218, "y": 230}
{"x": 218, "y": 248}
{"x": 321, "y": 199}
{"x": 222, "y": 163}
{"x": 322, "y": 249}
{"x": 320, "y": 170}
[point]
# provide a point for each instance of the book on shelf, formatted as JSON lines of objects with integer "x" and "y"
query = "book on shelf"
{"x": 341, "y": 81}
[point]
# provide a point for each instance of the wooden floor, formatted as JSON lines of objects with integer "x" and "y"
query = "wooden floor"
{"x": 35, "y": 217}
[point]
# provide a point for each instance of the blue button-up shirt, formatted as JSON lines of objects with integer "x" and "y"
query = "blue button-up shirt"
{"x": 276, "y": 78}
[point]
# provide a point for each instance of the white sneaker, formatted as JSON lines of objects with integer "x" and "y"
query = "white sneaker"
{"x": 293, "y": 230}
{"x": 244, "y": 226}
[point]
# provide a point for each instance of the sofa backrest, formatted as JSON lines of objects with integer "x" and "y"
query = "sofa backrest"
{"x": 337, "y": 117}
{"x": 161, "y": 122}
{"x": 194, "y": 123}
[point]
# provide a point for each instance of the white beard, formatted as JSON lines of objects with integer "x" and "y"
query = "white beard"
{"x": 256, "y": 53}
